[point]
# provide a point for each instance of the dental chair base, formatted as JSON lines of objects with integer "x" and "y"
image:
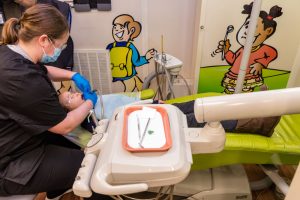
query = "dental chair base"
{"x": 221, "y": 183}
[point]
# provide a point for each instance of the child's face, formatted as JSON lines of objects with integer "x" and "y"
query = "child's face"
{"x": 71, "y": 100}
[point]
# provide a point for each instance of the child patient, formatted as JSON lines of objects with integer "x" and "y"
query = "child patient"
{"x": 71, "y": 100}
{"x": 261, "y": 126}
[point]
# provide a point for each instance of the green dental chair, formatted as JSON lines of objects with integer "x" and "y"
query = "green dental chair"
{"x": 283, "y": 147}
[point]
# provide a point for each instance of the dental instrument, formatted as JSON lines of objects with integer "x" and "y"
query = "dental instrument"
{"x": 144, "y": 133}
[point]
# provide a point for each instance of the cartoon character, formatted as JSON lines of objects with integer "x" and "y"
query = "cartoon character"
{"x": 124, "y": 56}
{"x": 261, "y": 54}
{"x": 62, "y": 86}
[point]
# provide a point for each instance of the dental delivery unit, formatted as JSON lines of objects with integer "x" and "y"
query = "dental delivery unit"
{"x": 149, "y": 145}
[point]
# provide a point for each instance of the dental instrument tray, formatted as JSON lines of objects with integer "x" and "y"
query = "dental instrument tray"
{"x": 119, "y": 171}
{"x": 146, "y": 129}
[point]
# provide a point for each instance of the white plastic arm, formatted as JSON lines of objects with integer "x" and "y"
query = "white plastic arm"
{"x": 209, "y": 139}
{"x": 102, "y": 186}
{"x": 248, "y": 105}
{"x": 81, "y": 186}
{"x": 248, "y": 45}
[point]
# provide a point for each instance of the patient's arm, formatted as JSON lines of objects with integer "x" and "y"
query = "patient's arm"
{"x": 73, "y": 119}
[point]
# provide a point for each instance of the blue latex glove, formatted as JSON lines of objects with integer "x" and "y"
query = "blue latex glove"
{"x": 81, "y": 83}
{"x": 91, "y": 96}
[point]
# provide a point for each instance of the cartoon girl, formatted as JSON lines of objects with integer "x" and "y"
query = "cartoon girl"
{"x": 261, "y": 54}
{"x": 124, "y": 56}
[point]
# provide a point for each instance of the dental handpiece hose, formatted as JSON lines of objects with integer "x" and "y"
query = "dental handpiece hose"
{"x": 93, "y": 114}
{"x": 94, "y": 118}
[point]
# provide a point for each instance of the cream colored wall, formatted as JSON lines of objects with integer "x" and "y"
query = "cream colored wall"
{"x": 294, "y": 80}
{"x": 174, "y": 19}
{"x": 93, "y": 29}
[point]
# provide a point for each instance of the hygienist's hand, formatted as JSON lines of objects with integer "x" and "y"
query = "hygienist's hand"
{"x": 91, "y": 96}
{"x": 81, "y": 82}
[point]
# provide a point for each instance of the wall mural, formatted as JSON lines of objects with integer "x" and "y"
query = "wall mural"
{"x": 261, "y": 53}
{"x": 261, "y": 58}
{"x": 124, "y": 56}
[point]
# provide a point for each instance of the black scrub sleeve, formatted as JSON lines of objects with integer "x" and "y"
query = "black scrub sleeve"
{"x": 34, "y": 103}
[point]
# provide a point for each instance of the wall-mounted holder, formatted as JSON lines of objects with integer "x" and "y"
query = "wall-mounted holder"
{"x": 104, "y": 5}
{"x": 82, "y": 5}
{"x": 87, "y": 5}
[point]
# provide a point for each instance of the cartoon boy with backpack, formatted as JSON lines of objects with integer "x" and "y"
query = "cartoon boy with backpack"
{"x": 124, "y": 56}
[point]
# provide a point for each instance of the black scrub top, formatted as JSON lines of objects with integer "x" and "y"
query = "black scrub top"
{"x": 66, "y": 58}
{"x": 29, "y": 106}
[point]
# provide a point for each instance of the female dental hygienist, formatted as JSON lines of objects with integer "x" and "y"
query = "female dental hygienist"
{"x": 30, "y": 112}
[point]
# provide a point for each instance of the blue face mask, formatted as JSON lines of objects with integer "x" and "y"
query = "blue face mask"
{"x": 49, "y": 59}
{"x": 57, "y": 51}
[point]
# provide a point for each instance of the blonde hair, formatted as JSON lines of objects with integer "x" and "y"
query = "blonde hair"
{"x": 63, "y": 102}
{"x": 129, "y": 22}
{"x": 37, "y": 20}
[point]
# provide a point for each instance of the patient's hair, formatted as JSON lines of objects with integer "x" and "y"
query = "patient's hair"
{"x": 63, "y": 101}
{"x": 70, "y": 100}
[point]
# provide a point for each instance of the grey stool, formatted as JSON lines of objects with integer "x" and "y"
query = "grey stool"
{"x": 19, "y": 197}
